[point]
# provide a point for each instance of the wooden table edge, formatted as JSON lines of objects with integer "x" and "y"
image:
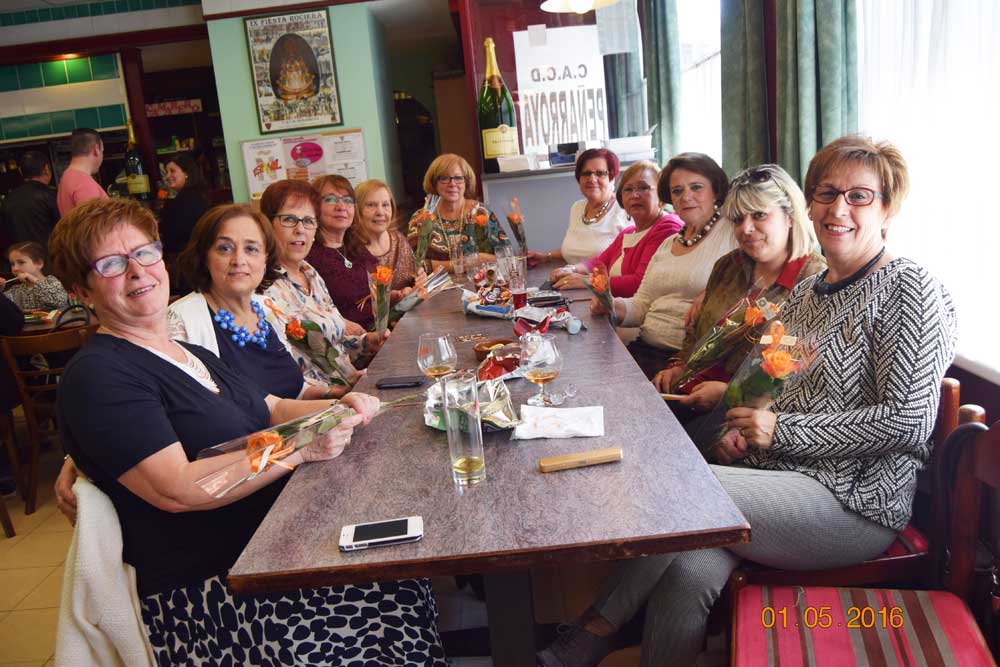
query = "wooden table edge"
{"x": 249, "y": 584}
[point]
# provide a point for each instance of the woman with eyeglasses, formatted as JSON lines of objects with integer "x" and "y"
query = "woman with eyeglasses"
{"x": 827, "y": 474}
{"x": 594, "y": 221}
{"x": 678, "y": 271}
{"x": 136, "y": 407}
{"x": 768, "y": 214}
{"x": 298, "y": 291}
{"x": 345, "y": 273}
{"x": 628, "y": 255}
{"x": 460, "y": 219}
{"x": 376, "y": 234}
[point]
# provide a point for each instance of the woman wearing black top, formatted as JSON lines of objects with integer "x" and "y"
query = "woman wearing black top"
{"x": 182, "y": 212}
{"x": 136, "y": 407}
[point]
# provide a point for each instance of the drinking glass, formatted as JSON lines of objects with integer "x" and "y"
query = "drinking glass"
{"x": 515, "y": 270}
{"x": 465, "y": 434}
{"x": 457, "y": 256}
{"x": 541, "y": 362}
{"x": 470, "y": 263}
{"x": 436, "y": 355}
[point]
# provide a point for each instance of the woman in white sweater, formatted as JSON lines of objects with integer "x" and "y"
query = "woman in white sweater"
{"x": 696, "y": 186}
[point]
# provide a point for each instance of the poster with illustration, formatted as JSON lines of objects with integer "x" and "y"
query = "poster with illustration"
{"x": 264, "y": 160}
{"x": 295, "y": 81}
{"x": 305, "y": 157}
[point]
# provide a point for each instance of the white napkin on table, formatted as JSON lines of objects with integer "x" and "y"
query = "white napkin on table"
{"x": 539, "y": 422}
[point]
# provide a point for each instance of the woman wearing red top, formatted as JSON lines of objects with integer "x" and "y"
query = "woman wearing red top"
{"x": 628, "y": 255}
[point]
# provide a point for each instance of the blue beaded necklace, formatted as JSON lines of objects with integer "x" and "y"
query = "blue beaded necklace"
{"x": 240, "y": 335}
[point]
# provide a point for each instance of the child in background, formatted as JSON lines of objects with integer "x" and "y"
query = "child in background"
{"x": 30, "y": 288}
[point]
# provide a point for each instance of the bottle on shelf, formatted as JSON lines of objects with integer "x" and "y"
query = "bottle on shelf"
{"x": 138, "y": 180}
{"x": 497, "y": 119}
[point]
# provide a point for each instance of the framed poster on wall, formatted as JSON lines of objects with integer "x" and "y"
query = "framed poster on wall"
{"x": 291, "y": 61}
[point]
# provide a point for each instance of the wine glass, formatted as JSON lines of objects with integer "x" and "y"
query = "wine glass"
{"x": 436, "y": 355}
{"x": 541, "y": 363}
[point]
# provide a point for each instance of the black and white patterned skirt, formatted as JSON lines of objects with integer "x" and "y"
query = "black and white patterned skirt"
{"x": 368, "y": 625}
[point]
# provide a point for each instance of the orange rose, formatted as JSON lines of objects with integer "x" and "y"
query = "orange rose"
{"x": 753, "y": 316}
{"x": 778, "y": 364}
{"x": 294, "y": 330}
{"x": 423, "y": 215}
{"x": 599, "y": 282}
{"x": 383, "y": 275}
{"x": 515, "y": 218}
{"x": 480, "y": 219}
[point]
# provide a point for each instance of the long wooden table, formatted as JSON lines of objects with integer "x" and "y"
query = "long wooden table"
{"x": 661, "y": 498}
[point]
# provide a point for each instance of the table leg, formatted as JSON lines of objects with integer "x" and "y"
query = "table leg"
{"x": 511, "y": 616}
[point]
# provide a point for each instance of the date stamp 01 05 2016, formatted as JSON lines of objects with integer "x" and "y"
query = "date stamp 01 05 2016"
{"x": 822, "y": 617}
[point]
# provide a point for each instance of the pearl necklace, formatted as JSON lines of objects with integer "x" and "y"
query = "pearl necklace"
{"x": 240, "y": 335}
{"x": 604, "y": 209}
{"x": 697, "y": 237}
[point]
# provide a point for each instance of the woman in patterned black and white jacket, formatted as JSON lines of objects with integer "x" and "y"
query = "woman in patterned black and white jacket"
{"x": 826, "y": 476}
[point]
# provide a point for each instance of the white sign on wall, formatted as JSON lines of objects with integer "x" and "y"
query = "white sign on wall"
{"x": 560, "y": 80}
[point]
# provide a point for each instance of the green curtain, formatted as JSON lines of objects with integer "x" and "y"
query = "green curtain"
{"x": 661, "y": 50}
{"x": 744, "y": 86}
{"x": 626, "y": 95}
{"x": 817, "y": 82}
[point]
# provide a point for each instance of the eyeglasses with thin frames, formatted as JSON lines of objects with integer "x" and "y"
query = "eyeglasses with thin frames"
{"x": 853, "y": 196}
{"x": 600, "y": 173}
{"x": 290, "y": 221}
{"x": 337, "y": 199}
{"x": 641, "y": 189}
{"x": 112, "y": 266}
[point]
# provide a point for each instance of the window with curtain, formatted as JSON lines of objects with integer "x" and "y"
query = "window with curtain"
{"x": 928, "y": 84}
{"x": 699, "y": 35}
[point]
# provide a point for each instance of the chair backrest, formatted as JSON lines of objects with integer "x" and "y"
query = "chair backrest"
{"x": 16, "y": 347}
{"x": 977, "y": 472}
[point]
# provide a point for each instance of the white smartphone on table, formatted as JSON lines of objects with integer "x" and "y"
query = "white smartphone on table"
{"x": 381, "y": 533}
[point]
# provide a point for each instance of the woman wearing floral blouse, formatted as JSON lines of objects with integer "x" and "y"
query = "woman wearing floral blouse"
{"x": 460, "y": 217}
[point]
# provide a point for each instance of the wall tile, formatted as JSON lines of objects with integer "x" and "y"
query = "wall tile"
{"x": 30, "y": 75}
{"x": 78, "y": 70}
{"x": 14, "y": 127}
{"x": 8, "y": 79}
{"x": 112, "y": 115}
{"x": 104, "y": 67}
{"x": 38, "y": 124}
{"x": 87, "y": 118}
{"x": 62, "y": 121}
{"x": 54, "y": 73}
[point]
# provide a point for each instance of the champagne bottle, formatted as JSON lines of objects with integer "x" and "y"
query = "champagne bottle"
{"x": 497, "y": 121}
{"x": 138, "y": 181}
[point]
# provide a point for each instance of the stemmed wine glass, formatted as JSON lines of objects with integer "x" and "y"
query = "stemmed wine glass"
{"x": 541, "y": 362}
{"x": 436, "y": 355}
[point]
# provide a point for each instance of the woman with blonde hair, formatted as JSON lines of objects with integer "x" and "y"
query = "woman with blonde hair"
{"x": 460, "y": 218}
{"x": 776, "y": 250}
{"x": 375, "y": 232}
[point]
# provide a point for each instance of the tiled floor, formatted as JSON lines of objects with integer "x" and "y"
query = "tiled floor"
{"x": 31, "y": 567}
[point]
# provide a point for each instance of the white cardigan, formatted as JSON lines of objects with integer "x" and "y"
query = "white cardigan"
{"x": 100, "y": 622}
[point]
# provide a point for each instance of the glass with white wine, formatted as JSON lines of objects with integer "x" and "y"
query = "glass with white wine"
{"x": 465, "y": 433}
{"x": 541, "y": 363}
{"x": 436, "y": 355}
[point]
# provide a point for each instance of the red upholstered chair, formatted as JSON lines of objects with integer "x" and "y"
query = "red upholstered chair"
{"x": 909, "y": 558}
{"x": 814, "y": 625}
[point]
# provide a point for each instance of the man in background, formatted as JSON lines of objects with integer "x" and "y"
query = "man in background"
{"x": 30, "y": 211}
{"x": 77, "y": 184}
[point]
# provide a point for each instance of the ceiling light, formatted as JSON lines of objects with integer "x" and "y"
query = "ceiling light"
{"x": 574, "y": 6}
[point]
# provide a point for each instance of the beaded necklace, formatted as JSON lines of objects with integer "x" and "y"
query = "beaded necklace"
{"x": 240, "y": 335}
{"x": 597, "y": 216}
{"x": 697, "y": 237}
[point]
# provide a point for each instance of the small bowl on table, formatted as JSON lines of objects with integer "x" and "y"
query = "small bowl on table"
{"x": 482, "y": 348}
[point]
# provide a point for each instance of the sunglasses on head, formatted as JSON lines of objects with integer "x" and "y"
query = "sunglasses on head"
{"x": 752, "y": 176}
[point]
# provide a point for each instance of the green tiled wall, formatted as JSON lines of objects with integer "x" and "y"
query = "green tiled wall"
{"x": 58, "y": 72}
{"x": 57, "y": 122}
{"x": 85, "y": 9}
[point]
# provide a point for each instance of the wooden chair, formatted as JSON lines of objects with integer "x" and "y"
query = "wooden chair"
{"x": 908, "y": 559}
{"x": 34, "y": 387}
{"x": 807, "y": 625}
{"x": 8, "y": 525}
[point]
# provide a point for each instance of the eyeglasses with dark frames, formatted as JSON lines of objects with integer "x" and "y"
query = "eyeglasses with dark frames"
{"x": 451, "y": 179}
{"x": 112, "y": 266}
{"x": 599, "y": 173}
{"x": 853, "y": 196}
{"x": 337, "y": 199}
{"x": 290, "y": 221}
